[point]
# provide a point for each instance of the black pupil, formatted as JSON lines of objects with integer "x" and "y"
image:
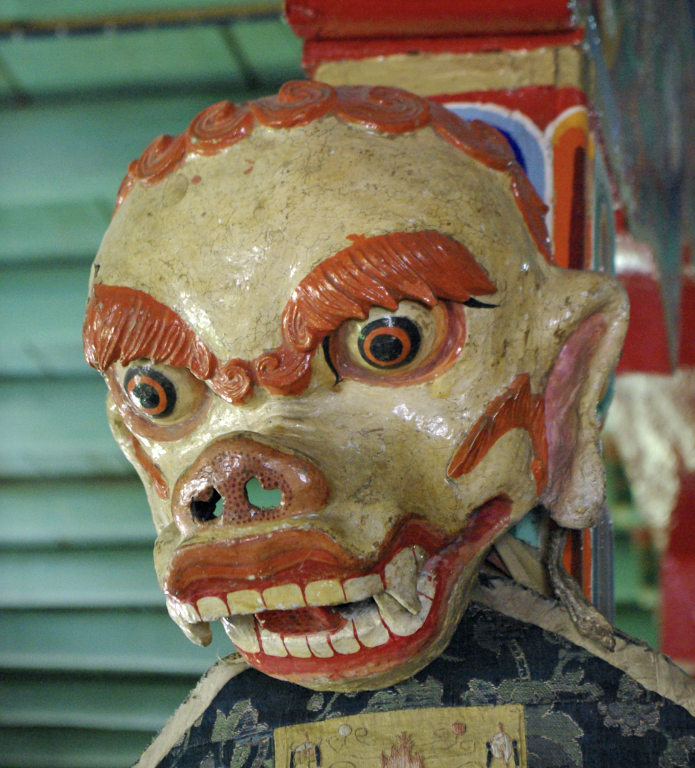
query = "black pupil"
{"x": 386, "y": 348}
{"x": 146, "y": 395}
{"x": 382, "y": 348}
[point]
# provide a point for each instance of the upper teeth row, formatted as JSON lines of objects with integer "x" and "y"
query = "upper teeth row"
{"x": 368, "y": 625}
{"x": 399, "y": 580}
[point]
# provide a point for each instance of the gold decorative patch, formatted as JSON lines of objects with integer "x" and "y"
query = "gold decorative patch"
{"x": 452, "y": 737}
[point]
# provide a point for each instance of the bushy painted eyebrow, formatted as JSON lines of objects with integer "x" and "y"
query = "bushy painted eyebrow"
{"x": 125, "y": 324}
{"x": 381, "y": 271}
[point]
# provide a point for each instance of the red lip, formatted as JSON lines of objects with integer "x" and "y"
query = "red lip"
{"x": 484, "y": 526}
{"x": 295, "y": 556}
{"x": 301, "y": 556}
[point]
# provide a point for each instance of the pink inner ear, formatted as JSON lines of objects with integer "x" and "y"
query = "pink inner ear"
{"x": 563, "y": 394}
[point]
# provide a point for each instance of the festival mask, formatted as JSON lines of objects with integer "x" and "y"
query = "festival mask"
{"x": 345, "y": 299}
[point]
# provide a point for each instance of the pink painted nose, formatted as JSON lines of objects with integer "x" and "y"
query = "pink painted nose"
{"x": 213, "y": 491}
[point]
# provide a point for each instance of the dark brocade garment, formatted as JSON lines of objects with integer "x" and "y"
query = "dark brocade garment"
{"x": 506, "y": 692}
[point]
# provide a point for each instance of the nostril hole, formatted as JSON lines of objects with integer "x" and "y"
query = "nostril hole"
{"x": 206, "y": 509}
{"x": 260, "y": 497}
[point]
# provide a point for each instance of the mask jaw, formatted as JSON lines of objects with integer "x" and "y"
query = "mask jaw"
{"x": 579, "y": 378}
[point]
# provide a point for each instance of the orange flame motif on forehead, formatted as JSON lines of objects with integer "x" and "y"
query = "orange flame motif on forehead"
{"x": 388, "y": 110}
{"x": 125, "y": 324}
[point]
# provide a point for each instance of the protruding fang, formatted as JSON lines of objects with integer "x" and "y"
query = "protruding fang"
{"x": 400, "y": 576}
{"x": 204, "y": 507}
{"x": 198, "y": 633}
{"x": 421, "y": 557}
{"x": 399, "y": 621}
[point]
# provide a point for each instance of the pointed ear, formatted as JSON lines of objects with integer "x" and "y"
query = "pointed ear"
{"x": 578, "y": 381}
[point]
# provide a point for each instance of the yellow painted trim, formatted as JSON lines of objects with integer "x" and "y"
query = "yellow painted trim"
{"x": 427, "y": 74}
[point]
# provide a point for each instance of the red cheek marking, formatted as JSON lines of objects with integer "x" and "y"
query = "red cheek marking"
{"x": 196, "y": 179}
{"x": 514, "y": 408}
{"x": 153, "y": 471}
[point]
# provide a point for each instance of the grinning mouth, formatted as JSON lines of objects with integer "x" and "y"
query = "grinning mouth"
{"x": 357, "y": 620}
{"x": 325, "y": 632}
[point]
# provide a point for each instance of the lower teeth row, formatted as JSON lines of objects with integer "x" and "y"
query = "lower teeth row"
{"x": 369, "y": 624}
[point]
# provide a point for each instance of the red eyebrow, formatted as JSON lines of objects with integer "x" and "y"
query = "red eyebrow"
{"x": 126, "y": 324}
{"x": 380, "y": 271}
{"x": 374, "y": 271}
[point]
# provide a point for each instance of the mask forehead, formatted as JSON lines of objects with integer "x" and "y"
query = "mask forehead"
{"x": 226, "y": 239}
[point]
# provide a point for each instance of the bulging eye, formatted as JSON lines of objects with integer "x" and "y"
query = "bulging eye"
{"x": 415, "y": 343}
{"x": 156, "y": 400}
{"x": 389, "y": 342}
{"x": 150, "y": 391}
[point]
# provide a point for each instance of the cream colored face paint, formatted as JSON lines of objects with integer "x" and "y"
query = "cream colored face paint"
{"x": 363, "y": 585}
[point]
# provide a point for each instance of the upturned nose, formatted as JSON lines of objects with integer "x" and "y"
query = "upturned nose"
{"x": 214, "y": 490}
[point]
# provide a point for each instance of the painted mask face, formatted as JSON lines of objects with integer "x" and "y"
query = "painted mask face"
{"x": 343, "y": 367}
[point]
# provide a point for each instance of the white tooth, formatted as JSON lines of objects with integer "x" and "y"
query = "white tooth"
{"x": 211, "y": 608}
{"x": 185, "y": 610}
{"x": 426, "y": 585}
{"x": 272, "y": 643}
{"x": 343, "y": 641}
{"x": 362, "y": 587}
{"x": 245, "y": 601}
{"x": 397, "y": 619}
{"x": 324, "y": 592}
{"x": 198, "y": 633}
{"x": 371, "y": 631}
{"x": 284, "y": 598}
{"x": 421, "y": 556}
{"x": 400, "y": 576}
{"x": 241, "y": 630}
{"x": 319, "y": 645}
{"x": 297, "y": 646}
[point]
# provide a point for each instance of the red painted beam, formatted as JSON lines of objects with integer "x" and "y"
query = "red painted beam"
{"x": 335, "y": 19}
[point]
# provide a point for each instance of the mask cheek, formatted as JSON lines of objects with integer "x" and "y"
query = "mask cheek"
{"x": 491, "y": 477}
{"x": 150, "y": 475}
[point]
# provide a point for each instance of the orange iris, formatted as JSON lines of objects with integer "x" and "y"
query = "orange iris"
{"x": 396, "y": 333}
{"x": 141, "y": 397}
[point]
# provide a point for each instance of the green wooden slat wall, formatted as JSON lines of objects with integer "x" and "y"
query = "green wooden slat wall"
{"x": 91, "y": 666}
{"x": 40, "y": 10}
